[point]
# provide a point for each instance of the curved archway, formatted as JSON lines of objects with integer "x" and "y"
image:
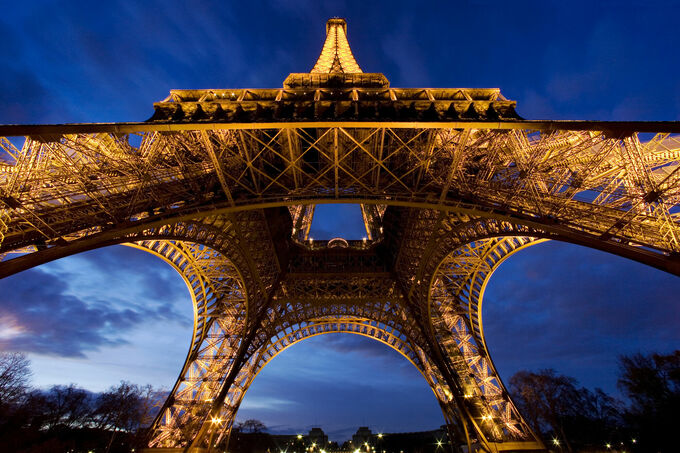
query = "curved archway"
{"x": 220, "y": 317}
{"x": 454, "y": 313}
{"x": 455, "y": 299}
{"x": 294, "y": 334}
{"x": 182, "y": 417}
{"x": 340, "y": 382}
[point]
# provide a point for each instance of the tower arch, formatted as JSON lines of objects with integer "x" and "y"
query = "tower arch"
{"x": 293, "y": 334}
{"x": 219, "y": 299}
{"x": 455, "y": 321}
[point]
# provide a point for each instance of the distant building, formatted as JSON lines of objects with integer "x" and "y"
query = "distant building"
{"x": 362, "y": 436}
{"x": 318, "y": 437}
{"x": 364, "y": 440}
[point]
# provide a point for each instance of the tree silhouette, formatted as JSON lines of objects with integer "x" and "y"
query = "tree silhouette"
{"x": 124, "y": 408}
{"x": 66, "y": 406}
{"x": 556, "y": 407}
{"x": 652, "y": 382}
{"x": 15, "y": 373}
{"x": 251, "y": 426}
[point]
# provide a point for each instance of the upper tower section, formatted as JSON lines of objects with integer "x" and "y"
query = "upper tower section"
{"x": 336, "y": 56}
{"x": 335, "y": 90}
{"x": 336, "y": 66}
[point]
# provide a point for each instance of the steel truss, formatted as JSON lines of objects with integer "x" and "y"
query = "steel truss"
{"x": 222, "y": 184}
{"x": 618, "y": 192}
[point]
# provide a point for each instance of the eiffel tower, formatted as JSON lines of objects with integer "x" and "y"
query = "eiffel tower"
{"x": 222, "y": 184}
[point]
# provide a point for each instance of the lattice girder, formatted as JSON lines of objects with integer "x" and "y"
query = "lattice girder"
{"x": 612, "y": 192}
{"x": 384, "y": 322}
{"x": 220, "y": 313}
{"x": 455, "y": 307}
{"x": 443, "y": 263}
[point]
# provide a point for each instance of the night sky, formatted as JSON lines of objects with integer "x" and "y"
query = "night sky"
{"x": 119, "y": 313}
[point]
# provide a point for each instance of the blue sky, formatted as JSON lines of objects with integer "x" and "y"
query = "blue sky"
{"x": 118, "y": 313}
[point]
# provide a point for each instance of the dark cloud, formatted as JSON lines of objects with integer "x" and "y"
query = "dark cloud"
{"x": 354, "y": 343}
{"x": 22, "y": 96}
{"x": 397, "y": 45}
{"x": 44, "y": 319}
{"x": 158, "y": 280}
{"x": 88, "y": 301}
{"x": 368, "y": 349}
{"x": 365, "y": 347}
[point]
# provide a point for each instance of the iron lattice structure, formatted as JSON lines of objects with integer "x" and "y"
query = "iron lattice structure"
{"x": 222, "y": 184}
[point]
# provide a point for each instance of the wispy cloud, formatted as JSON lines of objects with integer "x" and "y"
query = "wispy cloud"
{"x": 269, "y": 404}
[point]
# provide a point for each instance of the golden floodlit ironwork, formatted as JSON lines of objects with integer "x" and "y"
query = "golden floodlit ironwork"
{"x": 222, "y": 184}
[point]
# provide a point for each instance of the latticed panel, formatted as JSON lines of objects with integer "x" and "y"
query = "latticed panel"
{"x": 220, "y": 311}
{"x": 618, "y": 191}
{"x": 336, "y": 55}
{"x": 291, "y": 332}
{"x": 455, "y": 311}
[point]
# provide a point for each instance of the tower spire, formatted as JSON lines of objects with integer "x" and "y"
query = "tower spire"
{"x": 336, "y": 55}
{"x": 336, "y": 66}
